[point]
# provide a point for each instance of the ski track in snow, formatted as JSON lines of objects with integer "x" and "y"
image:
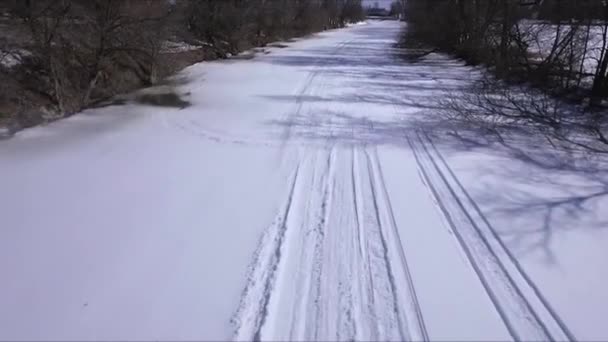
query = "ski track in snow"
{"x": 525, "y": 312}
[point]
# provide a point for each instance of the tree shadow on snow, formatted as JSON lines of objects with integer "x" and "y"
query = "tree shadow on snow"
{"x": 528, "y": 189}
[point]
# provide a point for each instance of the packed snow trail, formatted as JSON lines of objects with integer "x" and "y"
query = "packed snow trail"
{"x": 295, "y": 199}
{"x": 332, "y": 265}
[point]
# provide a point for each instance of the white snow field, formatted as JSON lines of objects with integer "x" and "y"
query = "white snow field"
{"x": 297, "y": 198}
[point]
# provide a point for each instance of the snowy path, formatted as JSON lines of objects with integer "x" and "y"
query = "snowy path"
{"x": 332, "y": 264}
{"x": 294, "y": 200}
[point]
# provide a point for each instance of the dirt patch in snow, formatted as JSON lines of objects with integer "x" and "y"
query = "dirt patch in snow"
{"x": 169, "y": 99}
{"x": 278, "y": 45}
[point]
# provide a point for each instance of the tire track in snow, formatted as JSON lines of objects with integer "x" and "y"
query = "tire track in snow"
{"x": 417, "y": 326}
{"x": 341, "y": 274}
{"x": 253, "y": 307}
{"x": 304, "y": 276}
{"x": 514, "y": 307}
{"x": 426, "y": 179}
{"x": 298, "y": 317}
{"x": 384, "y": 250}
{"x": 318, "y": 69}
{"x": 332, "y": 266}
{"x": 189, "y": 125}
{"x": 319, "y": 233}
{"x": 558, "y": 329}
{"x": 410, "y": 323}
{"x": 365, "y": 290}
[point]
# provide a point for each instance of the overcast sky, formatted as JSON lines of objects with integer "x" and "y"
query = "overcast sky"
{"x": 381, "y": 3}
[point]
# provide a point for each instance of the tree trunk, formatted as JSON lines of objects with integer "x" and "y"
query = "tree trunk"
{"x": 599, "y": 81}
{"x": 503, "y": 59}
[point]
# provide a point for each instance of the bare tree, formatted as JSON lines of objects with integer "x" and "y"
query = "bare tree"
{"x": 85, "y": 51}
{"x": 539, "y": 70}
{"x": 80, "y": 47}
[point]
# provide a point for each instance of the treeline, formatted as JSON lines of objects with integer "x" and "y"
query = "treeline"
{"x": 565, "y": 10}
{"x": 548, "y": 59}
{"x": 509, "y": 36}
{"x": 239, "y": 24}
{"x": 74, "y": 53}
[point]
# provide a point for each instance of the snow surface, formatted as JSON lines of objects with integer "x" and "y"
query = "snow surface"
{"x": 298, "y": 197}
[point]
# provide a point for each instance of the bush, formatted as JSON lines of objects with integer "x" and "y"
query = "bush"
{"x": 540, "y": 73}
{"x": 80, "y": 47}
{"x": 85, "y": 51}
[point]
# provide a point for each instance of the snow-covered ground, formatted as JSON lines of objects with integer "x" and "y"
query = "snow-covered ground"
{"x": 298, "y": 197}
